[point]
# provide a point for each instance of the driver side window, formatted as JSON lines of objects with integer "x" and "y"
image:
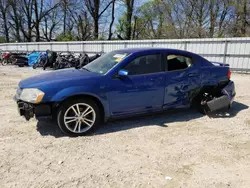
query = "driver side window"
{"x": 145, "y": 65}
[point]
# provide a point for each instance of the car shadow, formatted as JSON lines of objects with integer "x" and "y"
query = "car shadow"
{"x": 49, "y": 128}
{"x": 157, "y": 119}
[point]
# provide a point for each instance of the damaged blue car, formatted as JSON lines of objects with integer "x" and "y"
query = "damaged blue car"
{"x": 125, "y": 83}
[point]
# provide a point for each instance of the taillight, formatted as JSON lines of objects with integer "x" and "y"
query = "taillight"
{"x": 229, "y": 74}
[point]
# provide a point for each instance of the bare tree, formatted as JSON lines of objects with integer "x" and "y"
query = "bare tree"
{"x": 223, "y": 16}
{"x": 112, "y": 20}
{"x": 213, "y": 12}
{"x": 84, "y": 27}
{"x": 93, "y": 7}
{"x": 244, "y": 17}
{"x": 4, "y": 8}
{"x": 41, "y": 11}
{"x": 64, "y": 5}
{"x": 240, "y": 18}
{"x": 129, "y": 13}
{"x": 15, "y": 21}
{"x": 38, "y": 20}
{"x": 51, "y": 22}
{"x": 26, "y": 25}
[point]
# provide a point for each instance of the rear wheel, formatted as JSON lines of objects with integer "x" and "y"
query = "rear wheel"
{"x": 78, "y": 117}
{"x": 200, "y": 102}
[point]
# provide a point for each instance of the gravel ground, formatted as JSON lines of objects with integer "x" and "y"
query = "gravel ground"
{"x": 174, "y": 149}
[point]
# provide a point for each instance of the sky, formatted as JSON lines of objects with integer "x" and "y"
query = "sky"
{"x": 120, "y": 9}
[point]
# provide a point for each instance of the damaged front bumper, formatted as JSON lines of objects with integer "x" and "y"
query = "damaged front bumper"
{"x": 28, "y": 110}
{"x": 224, "y": 101}
{"x": 25, "y": 109}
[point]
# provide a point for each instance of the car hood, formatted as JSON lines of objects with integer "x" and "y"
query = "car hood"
{"x": 57, "y": 77}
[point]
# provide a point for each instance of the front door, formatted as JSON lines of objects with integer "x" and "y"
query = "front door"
{"x": 142, "y": 90}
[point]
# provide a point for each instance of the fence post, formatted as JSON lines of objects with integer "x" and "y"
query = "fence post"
{"x": 102, "y": 47}
{"x": 185, "y": 45}
{"x": 67, "y": 47}
{"x": 225, "y": 51}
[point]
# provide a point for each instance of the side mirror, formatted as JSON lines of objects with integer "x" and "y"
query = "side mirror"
{"x": 122, "y": 73}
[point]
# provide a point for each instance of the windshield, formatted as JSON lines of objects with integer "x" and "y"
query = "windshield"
{"x": 104, "y": 63}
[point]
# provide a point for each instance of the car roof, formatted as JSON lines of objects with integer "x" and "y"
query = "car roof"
{"x": 167, "y": 50}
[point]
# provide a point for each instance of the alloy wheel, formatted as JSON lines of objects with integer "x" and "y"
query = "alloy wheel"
{"x": 79, "y": 118}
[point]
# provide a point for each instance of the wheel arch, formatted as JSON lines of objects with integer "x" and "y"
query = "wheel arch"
{"x": 87, "y": 96}
{"x": 212, "y": 89}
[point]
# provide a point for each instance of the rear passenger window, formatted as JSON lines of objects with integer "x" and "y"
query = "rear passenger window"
{"x": 177, "y": 62}
{"x": 147, "y": 64}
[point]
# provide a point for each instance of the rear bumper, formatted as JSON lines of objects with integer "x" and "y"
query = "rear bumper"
{"x": 224, "y": 101}
{"x": 229, "y": 91}
{"x": 30, "y": 110}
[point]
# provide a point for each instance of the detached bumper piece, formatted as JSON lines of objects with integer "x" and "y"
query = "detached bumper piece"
{"x": 225, "y": 101}
{"x": 26, "y": 110}
{"x": 29, "y": 110}
{"x": 218, "y": 103}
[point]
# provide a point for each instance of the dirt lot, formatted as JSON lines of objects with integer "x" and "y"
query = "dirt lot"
{"x": 181, "y": 149}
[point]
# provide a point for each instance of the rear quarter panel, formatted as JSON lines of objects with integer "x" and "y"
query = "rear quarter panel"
{"x": 213, "y": 75}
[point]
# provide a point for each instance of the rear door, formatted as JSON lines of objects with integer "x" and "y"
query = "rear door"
{"x": 182, "y": 80}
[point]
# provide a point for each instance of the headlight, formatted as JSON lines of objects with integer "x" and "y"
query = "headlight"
{"x": 32, "y": 95}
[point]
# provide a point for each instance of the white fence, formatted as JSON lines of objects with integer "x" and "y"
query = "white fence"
{"x": 234, "y": 51}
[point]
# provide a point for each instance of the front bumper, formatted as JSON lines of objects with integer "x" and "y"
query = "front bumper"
{"x": 30, "y": 110}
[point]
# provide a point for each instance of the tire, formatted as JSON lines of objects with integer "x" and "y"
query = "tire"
{"x": 78, "y": 125}
{"x": 4, "y": 62}
{"x": 199, "y": 103}
{"x": 56, "y": 65}
{"x": 45, "y": 64}
{"x": 202, "y": 109}
{"x": 35, "y": 65}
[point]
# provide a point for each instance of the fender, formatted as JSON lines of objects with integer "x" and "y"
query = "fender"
{"x": 81, "y": 90}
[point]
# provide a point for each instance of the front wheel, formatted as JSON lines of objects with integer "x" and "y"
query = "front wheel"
{"x": 35, "y": 65}
{"x": 78, "y": 117}
{"x": 4, "y": 62}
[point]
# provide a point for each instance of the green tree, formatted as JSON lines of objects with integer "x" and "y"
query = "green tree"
{"x": 65, "y": 37}
{"x": 151, "y": 16}
{"x": 2, "y": 39}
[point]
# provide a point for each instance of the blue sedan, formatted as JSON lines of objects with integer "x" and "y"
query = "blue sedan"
{"x": 126, "y": 83}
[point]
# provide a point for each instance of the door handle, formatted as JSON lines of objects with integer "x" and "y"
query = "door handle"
{"x": 156, "y": 78}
